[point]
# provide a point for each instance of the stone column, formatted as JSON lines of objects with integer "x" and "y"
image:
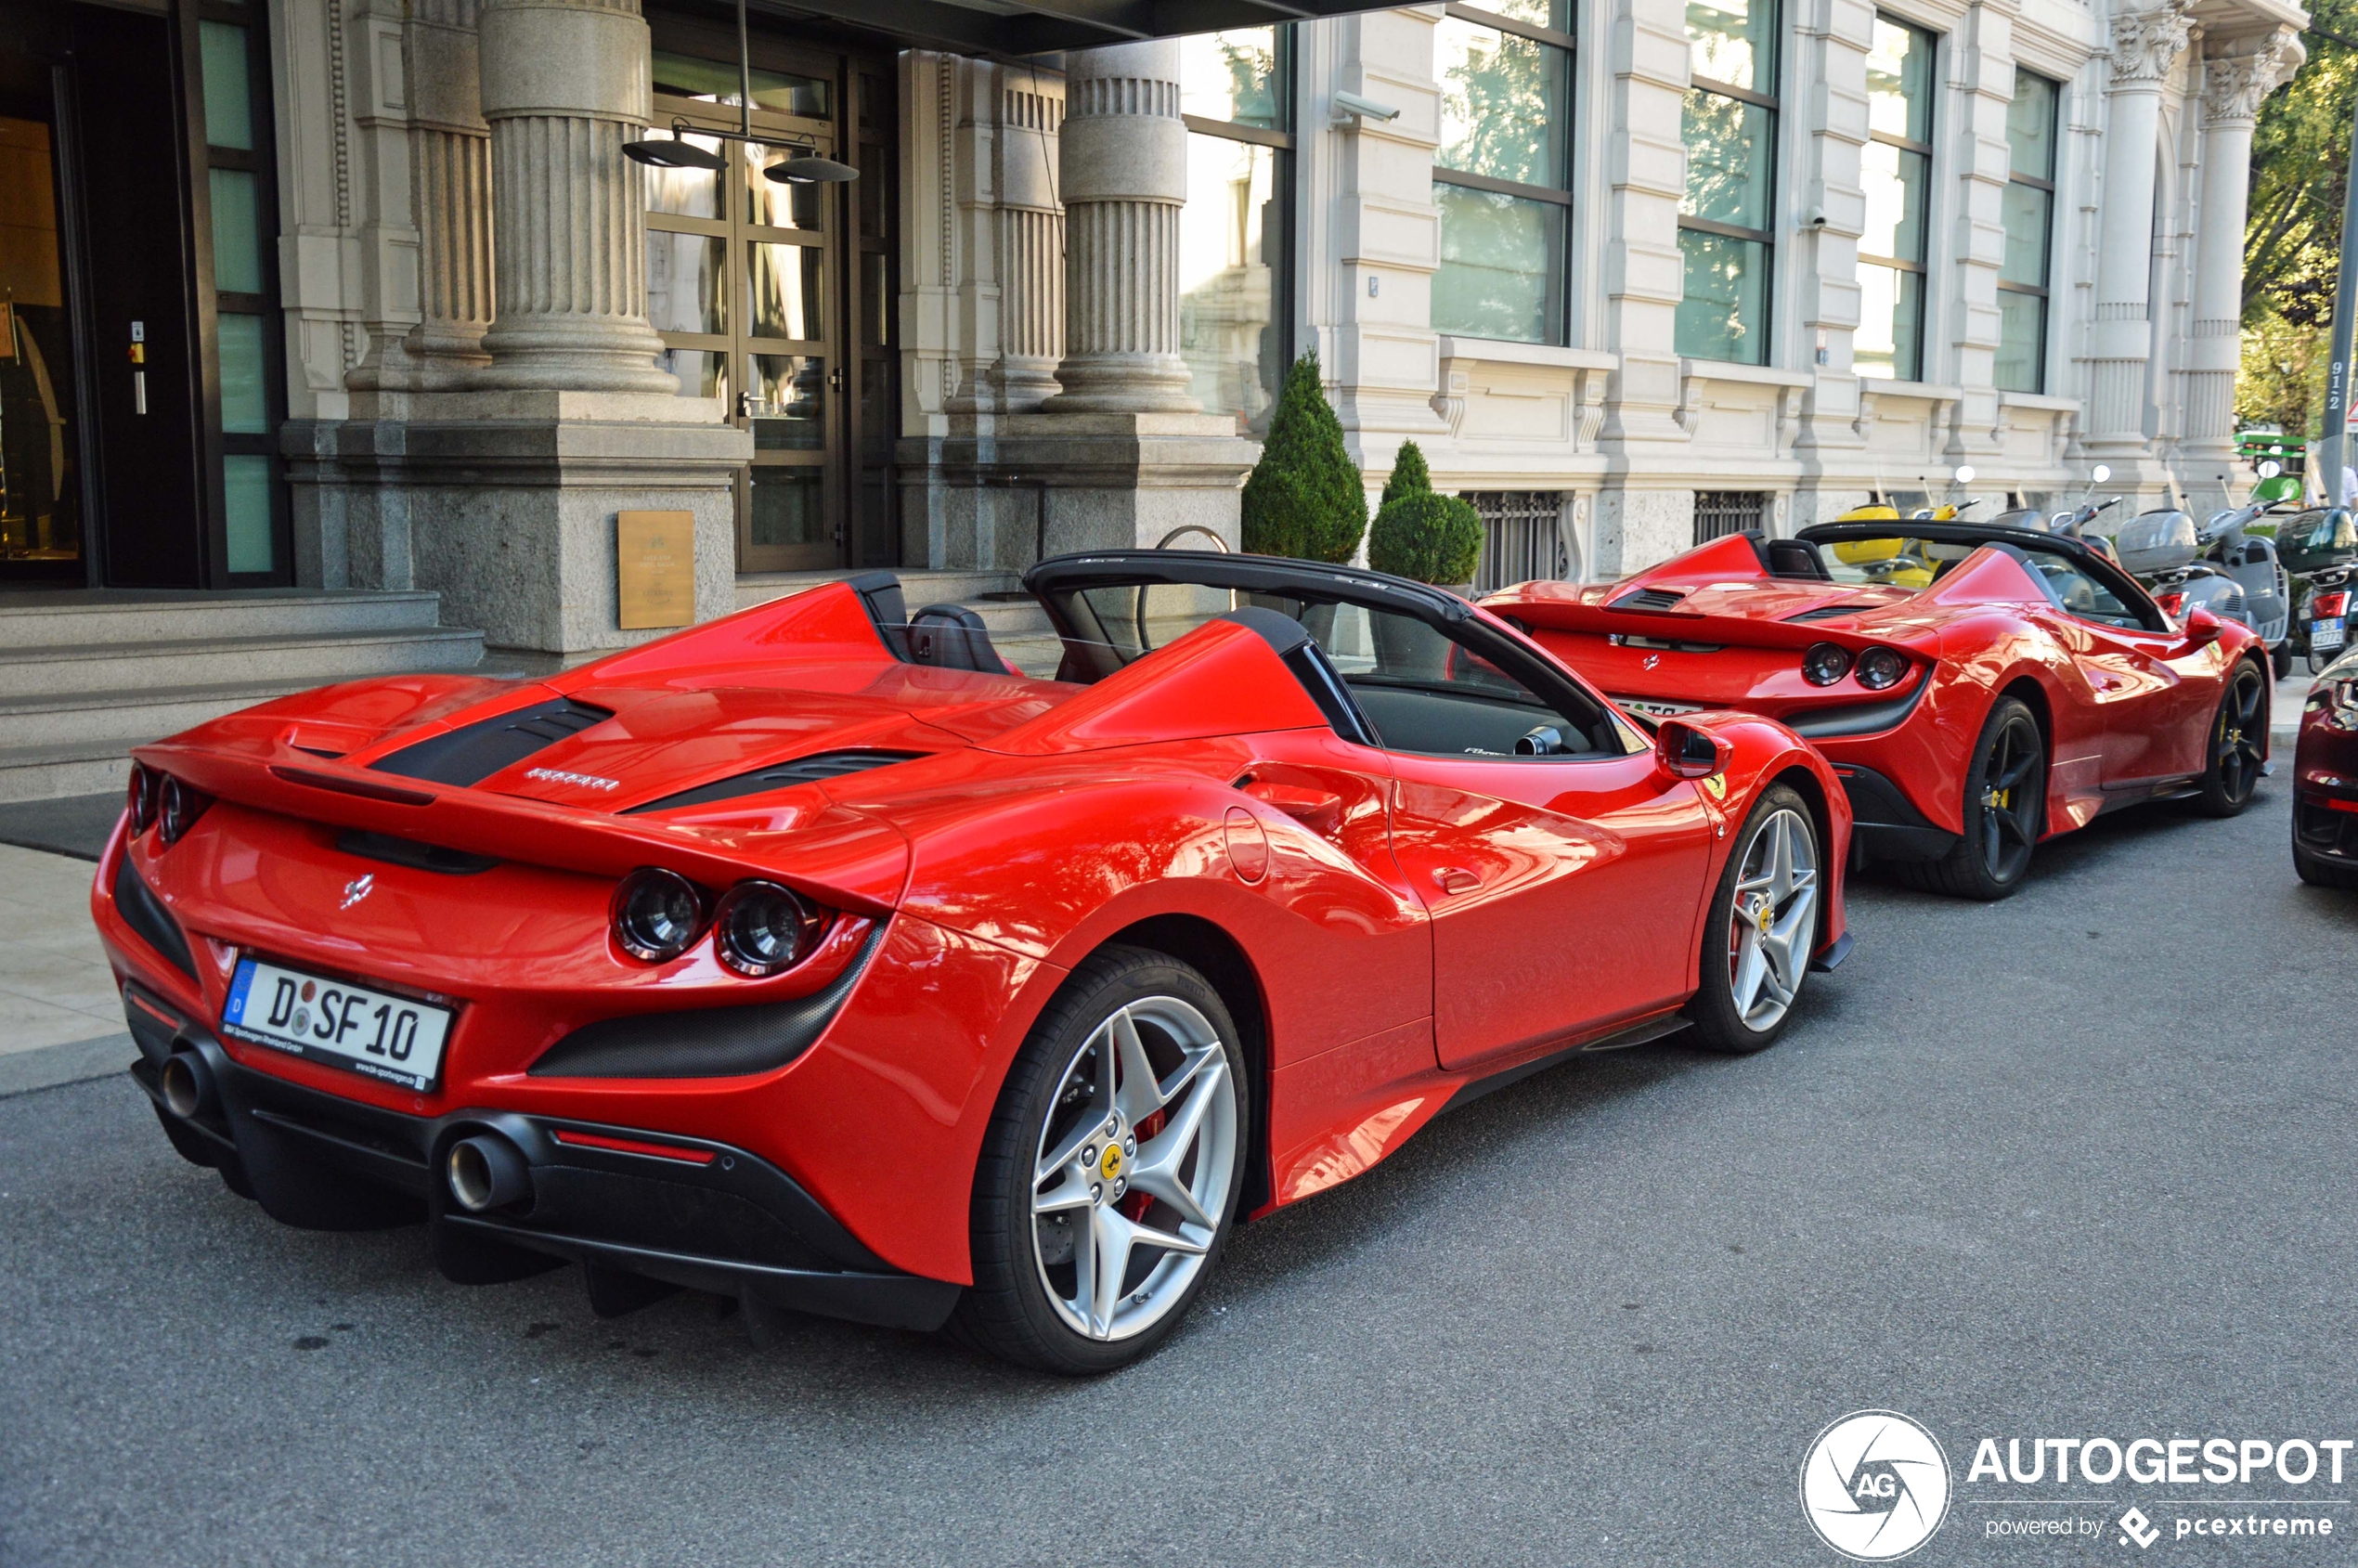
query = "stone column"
{"x": 1030, "y": 233}
{"x": 2145, "y": 47}
{"x": 1124, "y": 162}
{"x": 450, "y": 188}
{"x": 2234, "y": 86}
{"x": 564, "y": 85}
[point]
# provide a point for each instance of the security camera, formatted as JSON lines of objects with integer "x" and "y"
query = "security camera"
{"x": 1813, "y": 217}
{"x": 1367, "y": 108}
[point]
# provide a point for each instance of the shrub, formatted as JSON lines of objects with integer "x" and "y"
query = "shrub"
{"x": 1420, "y": 535}
{"x": 1305, "y": 499}
{"x": 1408, "y": 474}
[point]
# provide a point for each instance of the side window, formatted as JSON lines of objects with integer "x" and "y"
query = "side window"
{"x": 1426, "y": 693}
{"x": 2082, "y": 594}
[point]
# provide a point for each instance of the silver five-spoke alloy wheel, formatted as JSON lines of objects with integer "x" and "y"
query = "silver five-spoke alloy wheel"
{"x": 1773, "y": 919}
{"x": 1133, "y": 1168}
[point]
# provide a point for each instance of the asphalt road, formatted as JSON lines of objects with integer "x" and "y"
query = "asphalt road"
{"x": 2075, "y": 1165}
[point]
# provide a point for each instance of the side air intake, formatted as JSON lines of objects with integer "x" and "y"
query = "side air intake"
{"x": 469, "y": 754}
{"x": 781, "y": 775}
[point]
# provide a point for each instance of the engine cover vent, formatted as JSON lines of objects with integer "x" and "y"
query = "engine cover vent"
{"x": 779, "y": 775}
{"x": 472, "y": 753}
{"x": 1649, "y": 599}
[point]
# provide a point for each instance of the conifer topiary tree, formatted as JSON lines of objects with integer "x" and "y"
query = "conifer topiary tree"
{"x": 1305, "y": 499}
{"x": 1420, "y": 535}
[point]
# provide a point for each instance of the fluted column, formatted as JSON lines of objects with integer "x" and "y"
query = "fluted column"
{"x": 564, "y": 85}
{"x": 2234, "y": 86}
{"x": 1123, "y": 162}
{"x": 1030, "y": 242}
{"x": 2145, "y": 47}
{"x": 450, "y": 188}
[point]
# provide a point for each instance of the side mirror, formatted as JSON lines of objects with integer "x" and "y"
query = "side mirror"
{"x": 1688, "y": 753}
{"x": 2202, "y": 627}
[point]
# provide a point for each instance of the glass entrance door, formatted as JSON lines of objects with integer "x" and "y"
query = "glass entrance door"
{"x": 749, "y": 285}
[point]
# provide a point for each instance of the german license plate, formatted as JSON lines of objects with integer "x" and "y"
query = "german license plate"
{"x": 343, "y": 1024}
{"x": 2325, "y": 634}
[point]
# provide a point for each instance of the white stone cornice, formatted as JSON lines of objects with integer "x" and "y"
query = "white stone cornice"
{"x": 2234, "y": 85}
{"x": 2146, "y": 44}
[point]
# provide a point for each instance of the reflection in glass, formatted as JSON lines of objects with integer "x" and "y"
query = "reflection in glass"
{"x": 1500, "y": 258}
{"x": 686, "y": 282}
{"x": 1899, "y": 81}
{"x": 228, "y": 95}
{"x": 2023, "y": 210}
{"x": 715, "y": 82}
{"x": 1734, "y": 41}
{"x": 237, "y": 232}
{"x": 786, "y": 397}
{"x": 876, "y": 297}
{"x": 703, "y": 372}
{"x": 1893, "y": 180}
{"x": 245, "y": 401}
{"x": 1722, "y": 316}
{"x": 1556, "y": 14}
{"x": 245, "y": 484}
{"x": 689, "y": 193}
{"x": 1224, "y": 279}
{"x": 775, "y": 205}
{"x": 787, "y": 288}
{"x": 1728, "y": 159}
{"x": 1502, "y": 103}
{"x": 787, "y": 507}
{"x": 873, "y": 185}
{"x": 2022, "y": 342}
{"x": 1891, "y": 337}
{"x": 2030, "y": 127}
{"x": 1231, "y": 75}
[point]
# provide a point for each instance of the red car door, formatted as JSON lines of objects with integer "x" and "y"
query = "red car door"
{"x": 1564, "y": 892}
{"x": 2154, "y": 689}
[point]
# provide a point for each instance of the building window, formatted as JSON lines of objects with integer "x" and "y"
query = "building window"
{"x": 1896, "y": 169}
{"x": 1502, "y": 176}
{"x": 251, "y": 546}
{"x": 1729, "y": 127}
{"x": 2030, "y": 221}
{"x": 1721, "y": 512}
{"x": 1521, "y": 538}
{"x": 1234, "y": 329}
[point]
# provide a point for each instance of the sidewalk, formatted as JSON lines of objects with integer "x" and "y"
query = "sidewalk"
{"x": 61, "y": 1019}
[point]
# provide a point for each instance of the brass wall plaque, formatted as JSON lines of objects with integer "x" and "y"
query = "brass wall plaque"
{"x": 656, "y": 565}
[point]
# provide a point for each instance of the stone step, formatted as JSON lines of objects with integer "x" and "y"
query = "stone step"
{"x": 118, "y": 617}
{"x": 104, "y": 669}
{"x": 919, "y": 587}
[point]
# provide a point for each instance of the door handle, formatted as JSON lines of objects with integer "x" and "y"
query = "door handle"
{"x": 1454, "y": 879}
{"x": 1319, "y": 810}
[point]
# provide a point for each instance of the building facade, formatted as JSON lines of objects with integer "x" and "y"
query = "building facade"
{"x": 1632, "y": 273}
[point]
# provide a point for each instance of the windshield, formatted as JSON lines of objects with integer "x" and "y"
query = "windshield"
{"x": 1905, "y": 561}
{"x": 2317, "y": 539}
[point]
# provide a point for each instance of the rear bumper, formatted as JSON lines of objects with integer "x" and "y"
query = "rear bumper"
{"x": 691, "y": 1211}
{"x": 1884, "y": 824}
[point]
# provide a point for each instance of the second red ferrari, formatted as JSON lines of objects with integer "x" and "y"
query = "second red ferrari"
{"x": 1976, "y": 687}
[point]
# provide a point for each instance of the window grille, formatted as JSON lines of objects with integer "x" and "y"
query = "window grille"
{"x": 1521, "y": 538}
{"x": 1721, "y": 512}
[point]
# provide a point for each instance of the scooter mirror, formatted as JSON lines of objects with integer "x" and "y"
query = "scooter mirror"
{"x": 1965, "y": 473}
{"x": 2099, "y": 473}
{"x": 2270, "y": 468}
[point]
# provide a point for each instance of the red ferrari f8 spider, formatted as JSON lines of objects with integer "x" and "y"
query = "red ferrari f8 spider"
{"x": 812, "y": 958}
{"x": 1976, "y": 687}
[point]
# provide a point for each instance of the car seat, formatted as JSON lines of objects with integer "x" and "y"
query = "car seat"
{"x": 953, "y": 636}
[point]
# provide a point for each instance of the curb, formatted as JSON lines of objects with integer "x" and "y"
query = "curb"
{"x": 47, "y": 1067}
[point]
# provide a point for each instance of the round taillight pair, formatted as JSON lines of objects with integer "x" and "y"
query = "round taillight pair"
{"x": 1879, "y": 669}
{"x": 758, "y": 928}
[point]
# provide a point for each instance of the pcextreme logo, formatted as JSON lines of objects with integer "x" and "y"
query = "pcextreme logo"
{"x": 1874, "y": 1486}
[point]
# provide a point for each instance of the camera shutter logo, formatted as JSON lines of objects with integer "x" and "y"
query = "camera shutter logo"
{"x": 1874, "y": 1486}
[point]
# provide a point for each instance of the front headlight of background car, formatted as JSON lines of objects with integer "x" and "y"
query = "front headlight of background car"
{"x": 1880, "y": 669}
{"x": 658, "y": 915}
{"x": 762, "y": 929}
{"x": 1826, "y": 663}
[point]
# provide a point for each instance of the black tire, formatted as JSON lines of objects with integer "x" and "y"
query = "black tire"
{"x": 1720, "y": 1014}
{"x": 2231, "y": 772}
{"x": 1008, "y": 1312}
{"x": 2280, "y": 659}
{"x": 2003, "y": 821}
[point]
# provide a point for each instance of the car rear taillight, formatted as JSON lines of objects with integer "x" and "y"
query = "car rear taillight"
{"x": 2171, "y": 603}
{"x": 1880, "y": 669}
{"x": 2333, "y": 603}
{"x": 178, "y": 808}
{"x": 762, "y": 929}
{"x": 1826, "y": 663}
{"x": 658, "y": 915}
{"x": 140, "y": 799}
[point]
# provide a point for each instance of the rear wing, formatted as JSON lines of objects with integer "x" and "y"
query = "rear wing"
{"x": 1535, "y": 609}
{"x": 840, "y": 858}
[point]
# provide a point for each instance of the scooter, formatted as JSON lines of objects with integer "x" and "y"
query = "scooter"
{"x": 2219, "y": 567}
{"x": 2322, "y": 545}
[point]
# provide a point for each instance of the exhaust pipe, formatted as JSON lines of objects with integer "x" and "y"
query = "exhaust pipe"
{"x": 487, "y": 1171}
{"x": 187, "y": 1085}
